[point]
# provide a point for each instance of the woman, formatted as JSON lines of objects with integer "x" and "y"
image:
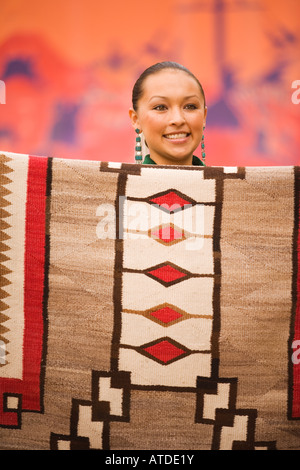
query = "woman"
{"x": 169, "y": 108}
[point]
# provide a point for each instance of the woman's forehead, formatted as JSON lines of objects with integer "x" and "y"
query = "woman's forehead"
{"x": 167, "y": 82}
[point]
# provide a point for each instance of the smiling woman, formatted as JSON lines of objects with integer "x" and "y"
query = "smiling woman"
{"x": 169, "y": 108}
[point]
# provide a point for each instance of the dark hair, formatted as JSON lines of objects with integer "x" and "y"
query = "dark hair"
{"x": 138, "y": 87}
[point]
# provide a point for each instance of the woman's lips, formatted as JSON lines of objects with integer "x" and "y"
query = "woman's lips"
{"x": 179, "y": 136}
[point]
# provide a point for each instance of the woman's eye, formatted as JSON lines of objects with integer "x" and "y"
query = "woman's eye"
{"x": 160, "y": 107}
{"x": 191, "y": 106}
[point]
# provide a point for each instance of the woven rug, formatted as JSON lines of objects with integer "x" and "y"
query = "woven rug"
{"x": 147, "y": 308}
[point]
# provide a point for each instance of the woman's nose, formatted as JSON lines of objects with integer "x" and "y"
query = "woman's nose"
{"x": 177, "y": 116}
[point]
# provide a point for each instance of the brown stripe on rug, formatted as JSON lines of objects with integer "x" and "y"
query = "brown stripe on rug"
{"x": 256, "y": 247}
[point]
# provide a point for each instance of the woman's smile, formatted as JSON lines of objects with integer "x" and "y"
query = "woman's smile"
{"x": 178, "y": 136}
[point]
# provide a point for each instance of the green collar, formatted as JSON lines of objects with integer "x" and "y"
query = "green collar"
{"x": 196, "y": 161}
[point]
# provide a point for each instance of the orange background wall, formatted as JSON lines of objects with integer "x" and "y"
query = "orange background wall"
{"x": 69, "y": 67}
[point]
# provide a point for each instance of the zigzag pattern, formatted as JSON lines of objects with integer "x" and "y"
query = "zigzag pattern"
{"x": 4, "y": 247}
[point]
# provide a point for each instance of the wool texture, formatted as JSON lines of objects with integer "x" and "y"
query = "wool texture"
{"x": 148, "y": 307}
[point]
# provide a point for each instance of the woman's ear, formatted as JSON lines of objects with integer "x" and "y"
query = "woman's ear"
{"x": 205, "y": 114}
{"x": 134, "y": 118}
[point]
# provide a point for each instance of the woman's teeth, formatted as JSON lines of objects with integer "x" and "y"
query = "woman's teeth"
{"x": 176, "y": 136}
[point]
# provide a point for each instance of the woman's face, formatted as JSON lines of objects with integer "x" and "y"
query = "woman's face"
{"x": 171, "y": 115}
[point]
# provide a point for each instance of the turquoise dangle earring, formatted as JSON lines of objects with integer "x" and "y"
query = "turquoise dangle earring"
{"x": 138, "y": 147}
{"x": 203, "y": 147}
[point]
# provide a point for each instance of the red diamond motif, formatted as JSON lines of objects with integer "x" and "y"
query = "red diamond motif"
{"x": 167, "y": 234}
{"x": 166, "y": 315}
{"x": 165, "y": 351}
{"x": 167, "y": 274}
{"x": 171, "y": 201}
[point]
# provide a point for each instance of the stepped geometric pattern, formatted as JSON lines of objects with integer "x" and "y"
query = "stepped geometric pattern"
{"x": 148, "y": 307}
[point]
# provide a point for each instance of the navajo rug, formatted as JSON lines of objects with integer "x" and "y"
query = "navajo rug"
{"x": 148, "y": 307}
